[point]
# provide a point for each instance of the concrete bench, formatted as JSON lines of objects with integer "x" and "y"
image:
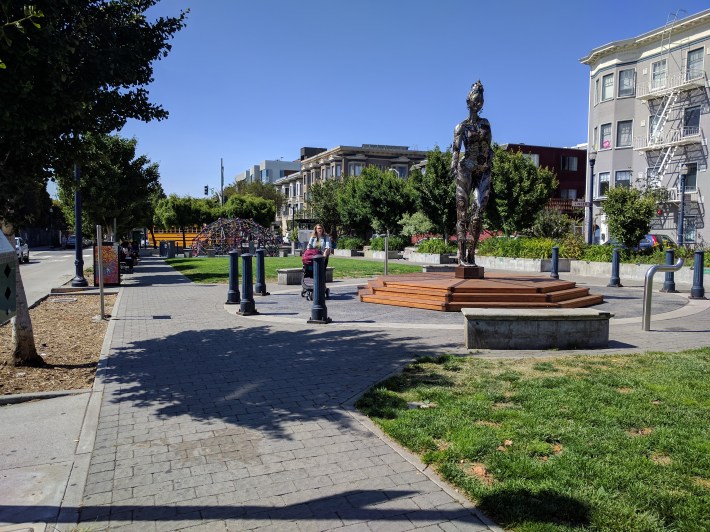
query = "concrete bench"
{"x": 555, "y": 328}
{"x": 294, "y": 275}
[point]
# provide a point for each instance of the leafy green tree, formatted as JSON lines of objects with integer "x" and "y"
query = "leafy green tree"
{"x": 629, "y": 212}
{"x": 519, "y": 190}
{"x": 352, "y": 208}
{"x": 549, "y": 223}
{"x": 376, "y": 199}
{"x": 323, "y": 202}
{"x": 177, "y": 211}
{"x": 261, "y": 210}
{"x": 83, "y": 70}
{"x": 115, "y": 184}
{"x": 416, "y": 224}
{"x": 435, "y": 191}
{"x": 256, "y": 189}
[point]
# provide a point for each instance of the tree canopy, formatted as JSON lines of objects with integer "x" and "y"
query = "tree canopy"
{"x": 323, "y": 202}
{"x": 115, "y": 183}
{"x": 82, "y": 69}
{"x": 519, "y": 190}
{"x": 435, "y": 191}
{"x": 629, "y": 212}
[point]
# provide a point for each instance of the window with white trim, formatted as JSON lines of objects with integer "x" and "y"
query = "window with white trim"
{"x": 689, "y": 228}
{"x": 607, "y": 87}
{"x": 298, "y": 188}
{"x": 691, "y": 121}
{"x": 603, "y": 187}
{"x": 597, "y": 93}
{"x": 622, "y": 178}
{"x": 605, "y": 137}
{"x": 659, "y": 71}
{"x": 627, "y": 83}
{"x": 338, "y": 170}
{"x": 694, "y": 69}
{"x": 691, "y": 178}
{"x": 595, "y": 138}
{"x": 623, "y": 133}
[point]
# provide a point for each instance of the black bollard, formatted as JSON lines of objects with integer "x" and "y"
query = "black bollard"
{"x": 233, "y": 292}
{"x": 246, "y": 307}
{"x": 319, "y": 312}
{"x": 697, "y": 291}
{"x": 669, "y": 282}
{"x": 260, "y": 287}
{"x": 614, "y": 280}
{"x": 554, "y": 272}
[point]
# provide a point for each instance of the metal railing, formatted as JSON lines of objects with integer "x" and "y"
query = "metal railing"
{"x": 648, "y": 289}
{"x": 667, "y": 84}
{"x": 677, "y": 136}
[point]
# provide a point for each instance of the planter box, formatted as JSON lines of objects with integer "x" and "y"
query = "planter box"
{"x": 345, "y": 252}
{"x": 432, "y": 258}
{"x": 521, "y": 265}
{"x": 369, "y": 254}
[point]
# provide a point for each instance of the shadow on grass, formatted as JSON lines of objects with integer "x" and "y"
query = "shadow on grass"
{"x": 513, "y": 507}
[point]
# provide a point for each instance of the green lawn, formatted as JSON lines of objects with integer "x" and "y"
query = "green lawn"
{"x": 216, "y": 270}
{"x": 594, "y": 443}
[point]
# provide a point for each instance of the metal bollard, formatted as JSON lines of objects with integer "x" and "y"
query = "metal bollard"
{"x": 260, "y": 287}
{"x": 246, "y": 307}
{"x": 669, "y": 281}
{"x": 697, "y": 291}
{"x": 233, "y": 292}
{"x": 554, "y": 273}
{"x": 614, "y": 280}
{"x": 319, "y": 312}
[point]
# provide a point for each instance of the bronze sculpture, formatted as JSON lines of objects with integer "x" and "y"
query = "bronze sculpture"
{"x": 472, "y": 172}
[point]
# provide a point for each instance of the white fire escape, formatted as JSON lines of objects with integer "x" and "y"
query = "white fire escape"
{"x": 668, "y": 127}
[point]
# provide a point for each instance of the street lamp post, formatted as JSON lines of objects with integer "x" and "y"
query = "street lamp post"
{"x": 681, "y": 213}
{"x": 79, "y": 279}
{"x": 590, "y": 197}
{"x": 293, "y": 226}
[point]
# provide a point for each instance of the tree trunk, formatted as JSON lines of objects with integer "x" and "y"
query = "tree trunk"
{"x": 24, "y": 352}
{"x": 184, "y": 244}
{"x": 152, "y": 236}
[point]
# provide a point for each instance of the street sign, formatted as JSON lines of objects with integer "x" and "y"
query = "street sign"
{"x": 579, "y": 203}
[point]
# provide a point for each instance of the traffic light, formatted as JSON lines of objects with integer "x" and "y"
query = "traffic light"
{"x": 207, "y": 191}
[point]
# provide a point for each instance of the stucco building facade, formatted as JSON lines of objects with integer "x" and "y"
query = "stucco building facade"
{"x": 649, "y": 111}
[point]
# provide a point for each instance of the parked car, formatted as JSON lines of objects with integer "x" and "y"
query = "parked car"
{"x": 648, "y": 243}
{"x": 71, "y": 242}
{"x": 22, "y": 250}
{"x": 652, "y": 242}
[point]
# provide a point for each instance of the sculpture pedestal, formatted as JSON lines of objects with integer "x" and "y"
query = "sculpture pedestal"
{"x": 468, "y": 272}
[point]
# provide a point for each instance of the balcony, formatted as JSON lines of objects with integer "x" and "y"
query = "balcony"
{"x": 692, "y": 79}
{"x": 683, "y": 136}
{"x": 691, "y": 194}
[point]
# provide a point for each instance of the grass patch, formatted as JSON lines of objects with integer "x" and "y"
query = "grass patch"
{"x": 216, "y": 270}
{"x": 601, "y": 443}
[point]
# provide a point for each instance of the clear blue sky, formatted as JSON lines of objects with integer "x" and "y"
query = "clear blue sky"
{"x": 249, "y": 80}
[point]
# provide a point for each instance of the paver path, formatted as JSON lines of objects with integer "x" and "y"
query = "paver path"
{"x": 218, "y": 422}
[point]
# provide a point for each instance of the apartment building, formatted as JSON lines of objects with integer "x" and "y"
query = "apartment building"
{"x": 318, "y": 164}
{"x": 268, "y": 171}
{"x": 568, "y": 164}
{"x": 649, "y": 111}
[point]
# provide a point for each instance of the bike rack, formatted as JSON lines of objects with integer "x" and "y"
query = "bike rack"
{"x": 648, "y": 289}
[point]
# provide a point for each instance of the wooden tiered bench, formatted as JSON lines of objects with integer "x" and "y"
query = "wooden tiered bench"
{"x": 443, "y": 292}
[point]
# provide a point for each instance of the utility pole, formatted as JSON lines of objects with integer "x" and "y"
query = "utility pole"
{"x": 221, "y": 190}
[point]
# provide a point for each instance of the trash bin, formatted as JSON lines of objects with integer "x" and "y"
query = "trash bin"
{"x": 163, "y": 248}
{"x": 171, "y": 250}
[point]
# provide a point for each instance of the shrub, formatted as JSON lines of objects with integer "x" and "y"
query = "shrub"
{"x": 572, "y": 246}
{"x": 436, "y": 246}
{"x": 396, "y": 243}
{"x": 597, "y": 253}
{"x": 550, "y": 223}
{"x": 350, "y": 242}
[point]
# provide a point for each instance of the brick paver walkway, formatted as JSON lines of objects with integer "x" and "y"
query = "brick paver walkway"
{"x": 216, "y": 422}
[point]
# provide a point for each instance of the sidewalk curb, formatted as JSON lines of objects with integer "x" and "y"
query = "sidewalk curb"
{"x": 424, "y": 469}
{"x": 68, "y": 515}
